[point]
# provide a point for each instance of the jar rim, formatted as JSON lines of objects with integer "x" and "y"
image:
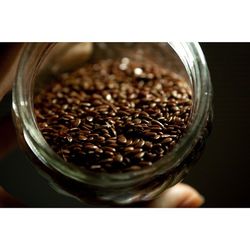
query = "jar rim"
{"x": 195, "y": 65}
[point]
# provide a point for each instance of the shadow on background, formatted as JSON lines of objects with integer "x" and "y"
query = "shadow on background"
{"x": 223, "y": 173}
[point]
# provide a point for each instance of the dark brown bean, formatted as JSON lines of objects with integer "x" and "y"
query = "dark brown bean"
{"x": 107, "y": 135}
{"x": 148, "y": 144}
{"x": 140, "y": 143}
{"x": 90, "y": 146}
{"x": 82, "y": 138}
{"x": 135, "y": 168}
{"x": 129, "y": 142}
{"x": 101, "y": 138}
{"x": 74, "y": 130}
{"x": 77, "y": 122}
{"x": 122, "y": 139}
{"x": 155, "y": 128}
{"x": 90, "y": 118}
{"x": 95, "y": 166}
{"x": 99, "y": 150}
{"x": 139, "y": 155}
{"x": 167, "y": 140}
{"x": 69, "y": 138}
{"x": 146, "y": 163}
{"x": 118, "y": 158}
{"x": 109, "y": 115}
{"x": 150, "y": 134}
{"x": 109, "y": 149}
{"x": 113, "y": 132}
{"x": 109, "y": 154}
{"x": 128, "y": 149}
{"x": 137, "y": 121}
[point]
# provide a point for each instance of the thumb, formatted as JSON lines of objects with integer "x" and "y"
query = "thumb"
{"x": 181, "y": 195}
{"x": 10, "y": 54}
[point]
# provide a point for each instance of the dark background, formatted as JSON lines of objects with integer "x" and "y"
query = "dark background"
{"x": 223, "y": 173}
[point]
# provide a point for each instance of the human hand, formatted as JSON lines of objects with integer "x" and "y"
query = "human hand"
{"x": 181, "y": 195}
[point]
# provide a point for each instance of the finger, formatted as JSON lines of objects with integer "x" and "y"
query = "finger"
{"x": 7, "y": 136}
{"x": 10, "y": 54}
{"x": 181, "y": 195}
{"x": 7, "y": 200}
{"x": 67, "y": 56}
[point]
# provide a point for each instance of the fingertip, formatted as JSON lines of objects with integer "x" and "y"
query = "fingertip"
{"x": 192, "y": 201}
{"x": 179, "y": 196}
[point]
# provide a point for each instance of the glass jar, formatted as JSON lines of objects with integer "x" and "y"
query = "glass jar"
{"x": 40, "y": 61}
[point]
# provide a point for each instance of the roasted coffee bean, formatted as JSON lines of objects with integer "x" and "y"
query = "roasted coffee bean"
{"x": 114, "y": 115}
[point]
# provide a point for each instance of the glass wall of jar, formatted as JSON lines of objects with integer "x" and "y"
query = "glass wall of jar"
{"x": 40, "y": 62}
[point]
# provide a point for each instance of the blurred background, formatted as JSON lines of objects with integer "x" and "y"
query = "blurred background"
{"x": 222, "y": 174}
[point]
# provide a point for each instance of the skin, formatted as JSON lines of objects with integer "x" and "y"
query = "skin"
{"x": 181, "y": 195}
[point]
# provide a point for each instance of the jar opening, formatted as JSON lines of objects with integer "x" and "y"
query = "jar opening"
{"x": 196, "y": 72}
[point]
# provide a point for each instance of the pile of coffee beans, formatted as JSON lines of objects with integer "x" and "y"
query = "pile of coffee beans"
{"x": 114, "y": 115}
